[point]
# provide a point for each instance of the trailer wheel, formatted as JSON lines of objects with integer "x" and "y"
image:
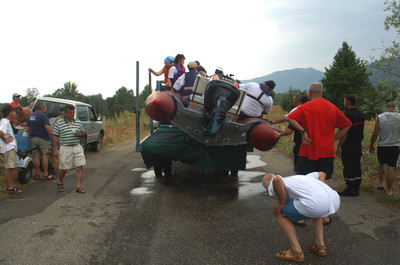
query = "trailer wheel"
{"x": 25, "y": 174}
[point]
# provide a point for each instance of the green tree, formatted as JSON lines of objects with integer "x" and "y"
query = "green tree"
{"x": 31, "y": 96}
{"x": 388, "y": 64}
{"x": 69, "y": 91}
{"x": 123, "y": 99}
{"x": 99, "y": 104}
{"x": 349, "y": 75}
{"x": 286, "y": 99}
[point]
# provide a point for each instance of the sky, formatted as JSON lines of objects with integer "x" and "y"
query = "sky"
{"x": 97, "y": 44}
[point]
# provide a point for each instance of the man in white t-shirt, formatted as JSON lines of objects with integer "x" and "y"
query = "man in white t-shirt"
{"x": 301, "y": 197}
{"x": 258, "y": 99}
{"x": 9, "y": 148}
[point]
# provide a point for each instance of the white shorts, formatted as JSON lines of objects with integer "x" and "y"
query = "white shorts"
{"x": 71, "y": 157}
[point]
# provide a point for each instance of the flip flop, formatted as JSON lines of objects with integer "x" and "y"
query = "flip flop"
{"x": 60, "y": 187}
{"x": 14, "y": 190}
{"x": 80, "y": 190}
{"x": 49, "y": 177}
{"x": 36, "y": 177}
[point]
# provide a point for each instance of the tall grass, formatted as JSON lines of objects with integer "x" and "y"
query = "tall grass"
{"x": 122, "y": 128}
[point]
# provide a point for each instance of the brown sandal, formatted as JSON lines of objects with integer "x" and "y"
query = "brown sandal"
{"x": 60, "y": 187}
{"x": 317, "y": 250}
{"x": 80, "y": 190}
{"x": 296, "y": 256}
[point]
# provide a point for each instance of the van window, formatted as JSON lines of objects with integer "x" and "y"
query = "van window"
{"x": 92, "y": 115}
{"x": 53, "y": 108}
{"x": 83, "y": 113}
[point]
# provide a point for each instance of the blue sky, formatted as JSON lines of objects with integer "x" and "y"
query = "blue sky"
{"x": 96, "y": 43}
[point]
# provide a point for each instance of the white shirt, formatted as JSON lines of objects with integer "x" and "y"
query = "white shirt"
{"x": 180, "y": 82}
{"x": 312, "y": 197}
{"x": 389, "y": 129}
{"x": 252, "y": 107}
{"x": 5, "y": 127}
{"x": 292, "y": 110}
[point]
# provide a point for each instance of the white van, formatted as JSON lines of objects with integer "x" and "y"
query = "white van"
{"x": 84, "y": 112}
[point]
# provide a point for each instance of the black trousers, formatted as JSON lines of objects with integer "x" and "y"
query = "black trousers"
{"x": 165, "y": 166}
{"x": 351, "y": 160}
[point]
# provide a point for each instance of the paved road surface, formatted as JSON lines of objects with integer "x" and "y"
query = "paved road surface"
{"x": 129, "y": 217}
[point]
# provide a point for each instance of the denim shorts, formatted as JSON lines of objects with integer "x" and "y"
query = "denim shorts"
{"x": 291, "y": 212}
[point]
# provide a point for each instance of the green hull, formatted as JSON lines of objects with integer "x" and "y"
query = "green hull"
{"x": 170, "y": 143}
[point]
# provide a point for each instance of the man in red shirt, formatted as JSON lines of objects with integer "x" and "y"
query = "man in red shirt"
{"x": 318, "y": 118}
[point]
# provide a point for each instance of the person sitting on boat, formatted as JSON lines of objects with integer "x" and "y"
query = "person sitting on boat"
{"x": 176, "y": 70}
{"x": 184, "y": 84}
{"x": 258, "y": 99}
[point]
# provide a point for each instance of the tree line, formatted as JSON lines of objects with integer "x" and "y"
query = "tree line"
{"x": 347, "y": 75}
{"x": 123, "y": 99}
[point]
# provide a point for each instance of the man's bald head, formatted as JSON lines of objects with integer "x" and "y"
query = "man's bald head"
{"x": 315, "y": 90}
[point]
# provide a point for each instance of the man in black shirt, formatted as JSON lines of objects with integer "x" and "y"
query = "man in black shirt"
{"x": 349, "y": 148}
{"x": 297, "y": 138}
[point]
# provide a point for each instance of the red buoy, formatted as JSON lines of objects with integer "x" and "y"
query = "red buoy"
{"x": 263, "y": 136}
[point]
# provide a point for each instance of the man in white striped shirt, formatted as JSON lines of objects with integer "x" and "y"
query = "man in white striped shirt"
{"x": 68, "y": 133}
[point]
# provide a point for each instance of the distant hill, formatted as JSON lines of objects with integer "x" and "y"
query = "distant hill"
{"x": 301, "y": 78}
{"x": 379, "y": 74}
{"x": 298, "y": 78}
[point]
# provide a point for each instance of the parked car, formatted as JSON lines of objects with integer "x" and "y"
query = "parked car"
{"x": 84, "y": 112}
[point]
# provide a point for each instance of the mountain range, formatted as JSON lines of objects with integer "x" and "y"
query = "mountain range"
{"x": 301, "y": 78}
{"x": 298, "y": 78}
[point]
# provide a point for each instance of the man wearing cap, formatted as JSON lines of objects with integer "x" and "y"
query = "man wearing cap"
{"x": 301, "y": 197}
{"x": 258, "y": 99}
{"x": 184, "y": 84}
{"x": 15, "y": 103}
{"x": 165, "y": 70}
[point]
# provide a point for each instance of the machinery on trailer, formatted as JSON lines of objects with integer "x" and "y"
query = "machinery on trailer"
{"x": 207, "y": 133}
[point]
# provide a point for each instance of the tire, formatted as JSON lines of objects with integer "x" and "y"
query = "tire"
{"x": 25, "y": 174}
{"x": 96, "y": 146}
{"x": 84, "y": 144}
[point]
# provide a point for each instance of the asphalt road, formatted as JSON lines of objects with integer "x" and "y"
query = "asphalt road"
{"x": 129, "y": 217}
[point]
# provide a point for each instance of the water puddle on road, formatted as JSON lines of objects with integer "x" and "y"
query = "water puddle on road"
{"x": 248, "y": 183}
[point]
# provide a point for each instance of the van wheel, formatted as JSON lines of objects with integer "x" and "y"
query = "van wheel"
{"x": 84, "y": 144}
{"x": 25, "y": 174}
{"x": 96, "y": 146}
